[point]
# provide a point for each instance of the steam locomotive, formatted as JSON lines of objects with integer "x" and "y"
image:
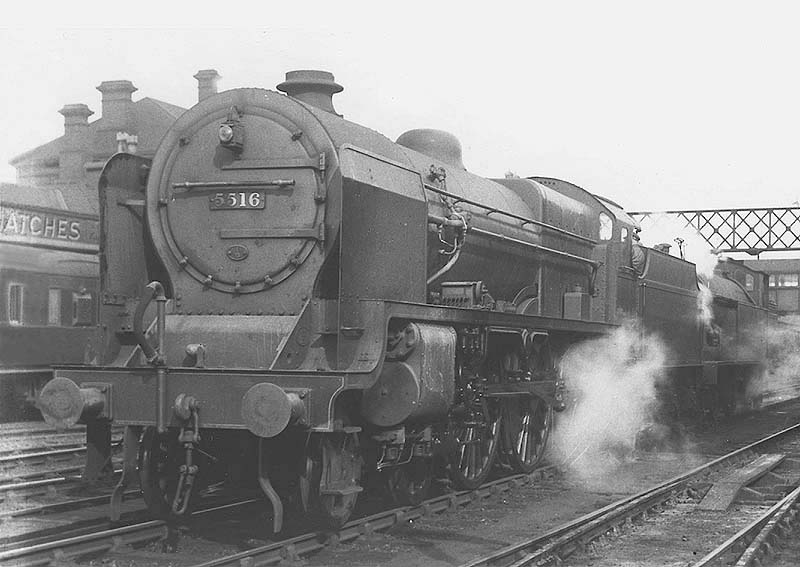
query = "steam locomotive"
{"x": 290, "y": 301}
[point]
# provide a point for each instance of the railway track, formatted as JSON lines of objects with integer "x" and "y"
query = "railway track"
{"x": 24, "y": 436}
{"x": 752, "y": 544}
{"x": 30, "y": 462}
{"x": 554, "y": 546}
{"x": 30, "y": 475}
{"x": 38, "y": 549}
{"x": 34, "y": 456}
{"x": 51, "y": 484}
{"x": 40, "y": 428}
{"x": 558, "y": 544}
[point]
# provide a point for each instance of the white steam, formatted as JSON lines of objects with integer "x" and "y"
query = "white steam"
{"x": 704, "y": 300}
{"x": 611, "y": 384}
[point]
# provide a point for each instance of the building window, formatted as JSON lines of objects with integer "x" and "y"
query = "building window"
{"x": 54, "y": 307}
{"x": 784, "y": 280}
{"x": 15, "y": 293}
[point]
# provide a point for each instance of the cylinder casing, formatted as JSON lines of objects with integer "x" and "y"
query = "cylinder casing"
{"x": 417, "y": 385}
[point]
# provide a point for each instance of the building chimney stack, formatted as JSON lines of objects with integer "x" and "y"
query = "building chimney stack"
{"x": 73, "y": 151}
{"x": 76, "y": 119}
{"x": 206, "y": 83}
{"x": 117, "y": 104}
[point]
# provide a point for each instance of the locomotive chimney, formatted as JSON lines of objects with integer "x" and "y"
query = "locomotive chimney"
{"x": 73, "y": 155}
{"x": 117, "y": 104}
{"x": 315, "y": 88}
{"x": 206, "y": 83}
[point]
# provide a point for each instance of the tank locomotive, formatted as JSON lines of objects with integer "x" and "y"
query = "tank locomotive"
{"x": 293, "y": 300}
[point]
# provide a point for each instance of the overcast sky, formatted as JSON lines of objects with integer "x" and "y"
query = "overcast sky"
{"x": 667, "y": 105}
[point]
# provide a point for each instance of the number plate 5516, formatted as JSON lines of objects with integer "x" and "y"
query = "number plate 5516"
{"x": 229, "y": 200}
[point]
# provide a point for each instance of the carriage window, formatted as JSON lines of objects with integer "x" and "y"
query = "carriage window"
{"x": 15, "y": 293}
{"x": 81, "y": 309}
{"x": 784, "y": 280}
{"x": 623, "y": 234}
{"x": 606, "y": 227}
{"x": 749, "y": 282}
{"x": 54, "y": 306}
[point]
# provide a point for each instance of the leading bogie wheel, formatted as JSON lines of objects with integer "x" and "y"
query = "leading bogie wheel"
{"x": 329, "y": 484}
{"x": 526, "y": 426}
{"x": 159, "y": 470}
{"x": 409, "y": 484}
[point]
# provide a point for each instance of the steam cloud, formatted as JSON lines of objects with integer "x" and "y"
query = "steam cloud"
{"x": 704, "y": 300}
{"x": 611, "y": 384}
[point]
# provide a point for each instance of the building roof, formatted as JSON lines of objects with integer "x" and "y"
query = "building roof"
{"x": 150, "y": 120}
{"x": 776, "y": 265}
{"x": 173, "y": 109}
{"x": 49, "y": 197}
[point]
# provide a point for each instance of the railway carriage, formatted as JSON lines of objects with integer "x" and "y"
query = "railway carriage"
{"x": 49, "y": 290}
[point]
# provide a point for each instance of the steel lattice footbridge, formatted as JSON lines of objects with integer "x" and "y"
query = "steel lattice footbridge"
{"x": 755, "y": 230}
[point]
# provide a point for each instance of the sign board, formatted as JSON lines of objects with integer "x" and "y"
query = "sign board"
{"x": 49, "y": 228}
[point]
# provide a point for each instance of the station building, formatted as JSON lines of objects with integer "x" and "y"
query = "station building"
{"x": 71, "y": 164}
{"x": 49, "y": 218}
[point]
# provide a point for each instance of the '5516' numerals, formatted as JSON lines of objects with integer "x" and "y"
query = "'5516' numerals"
{"x": 229, "y": 200}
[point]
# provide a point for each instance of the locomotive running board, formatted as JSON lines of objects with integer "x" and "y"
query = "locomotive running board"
{"x": 460, "y": 316}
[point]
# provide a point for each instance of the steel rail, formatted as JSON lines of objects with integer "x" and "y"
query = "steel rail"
{"x": 754, "y": 540}
{"x": 12, "y": 432}
{"x": 564, "y": 540}
{"x": 69, "y": 476}
{"x": 14, "y": 481}
{"x": 29, "y": 484}
{"x": 36, "y": 453}
{"x": 101, "y": 500}
{"x": 15, "y": 456}
{"x": 40, "y": 429}
{"x": 60, "y": 551}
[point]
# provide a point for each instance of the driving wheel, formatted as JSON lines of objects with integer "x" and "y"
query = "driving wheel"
{"x": 526, "y": 424}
